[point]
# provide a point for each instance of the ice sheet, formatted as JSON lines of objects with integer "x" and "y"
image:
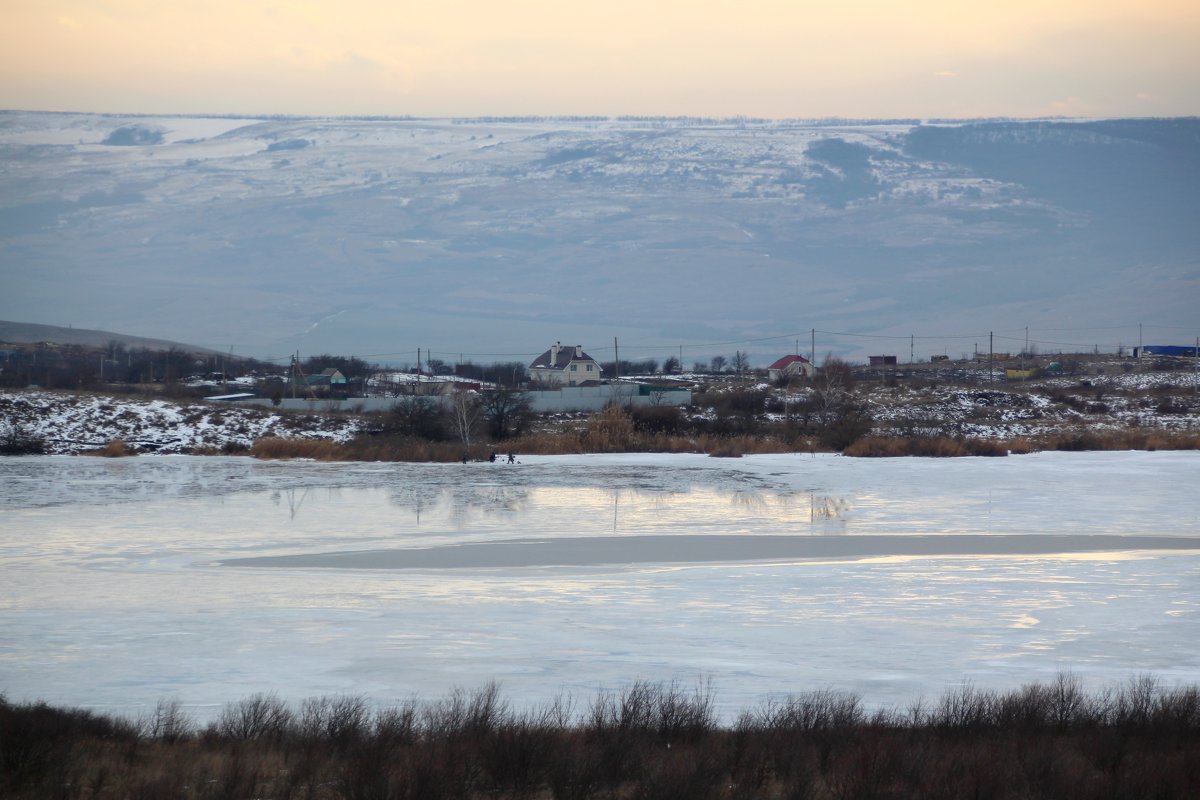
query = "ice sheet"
{"x": 113, "y": 594}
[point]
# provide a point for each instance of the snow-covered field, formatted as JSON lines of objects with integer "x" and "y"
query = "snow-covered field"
{"x": 115, "y": 594}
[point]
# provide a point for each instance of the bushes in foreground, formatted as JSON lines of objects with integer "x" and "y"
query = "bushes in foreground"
{"x": 647, "y": 740}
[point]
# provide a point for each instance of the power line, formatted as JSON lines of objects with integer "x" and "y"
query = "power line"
{"x": 693, "y": 345}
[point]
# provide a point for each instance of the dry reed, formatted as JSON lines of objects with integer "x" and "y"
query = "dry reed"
{"x": 115, "y": 448}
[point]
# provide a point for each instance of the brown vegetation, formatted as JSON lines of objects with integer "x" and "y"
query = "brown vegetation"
{"x": 367, "y": 448}
{"x": 929, "y": 446}
{"x": 648, "y": 740}
{"x": 614, "y": 430}
{"x": 1080, "y": 439}
{"x": 114, "y": 449}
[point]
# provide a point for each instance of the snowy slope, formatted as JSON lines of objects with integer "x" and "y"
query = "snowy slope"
{"x": 71, "y": 423}
{"x": 492, "y": 238}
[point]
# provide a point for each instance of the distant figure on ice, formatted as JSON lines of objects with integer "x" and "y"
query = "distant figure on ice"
{"x": 512, "y": 459}
{"x": 464, "y": 456}
{"x": 492, "y": 457}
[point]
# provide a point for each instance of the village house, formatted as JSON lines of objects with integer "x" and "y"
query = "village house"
{"x": 790, "y": 367}
{"x": 327, "y": 377}
{"x": 564, "y": 366}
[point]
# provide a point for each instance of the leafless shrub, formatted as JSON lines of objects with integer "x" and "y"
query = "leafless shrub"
{"x": 168, "y": 722}
{"x": 821, "y": 710}
{"x": 646, "y": 740}
{"x": 398, "y": 725}
{"x": 260, "y": 716}
{"x": 965, "y": 708}
{"x": 339, "y": 722}
{"x": 15, "y": 440}
{"x": 462, "y": 712}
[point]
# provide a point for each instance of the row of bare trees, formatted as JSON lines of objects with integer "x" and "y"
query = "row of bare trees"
{"x": 499, "y": 413}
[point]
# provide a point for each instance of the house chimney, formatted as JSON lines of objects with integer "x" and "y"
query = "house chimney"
{"x": 579, "y": 351}
{"x": 554, "y": 354}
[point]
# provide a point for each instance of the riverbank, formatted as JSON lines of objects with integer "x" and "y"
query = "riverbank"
{"x": 874, "y": 422}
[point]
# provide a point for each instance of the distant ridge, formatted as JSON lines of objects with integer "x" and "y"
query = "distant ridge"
{"x": 30, "y": 333}
{"x": 685, "y": 236}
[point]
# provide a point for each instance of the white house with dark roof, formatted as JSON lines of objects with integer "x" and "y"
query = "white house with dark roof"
{"x": 564, "y": 366}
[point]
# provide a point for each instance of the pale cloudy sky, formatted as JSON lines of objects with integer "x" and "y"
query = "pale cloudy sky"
{"x": 771, "y": 58}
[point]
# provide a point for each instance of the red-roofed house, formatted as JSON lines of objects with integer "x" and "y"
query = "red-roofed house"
{"x": 790, "y": 367}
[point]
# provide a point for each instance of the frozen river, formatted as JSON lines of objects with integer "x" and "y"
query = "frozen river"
{"x": 208, "y": 579}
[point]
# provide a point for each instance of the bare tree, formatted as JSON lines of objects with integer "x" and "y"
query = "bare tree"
{"x": 718, "y": 363}
{"x": 465, "y": 410}
{"x": 842, "y": 418}
{"x": 741, "y": 362}
{"x": 506, "y": 410}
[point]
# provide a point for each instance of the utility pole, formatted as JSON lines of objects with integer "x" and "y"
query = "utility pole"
{"x": 991, "y": 356}
{"x": 812, "y": 353}
{"x": 616, "y": 360}
{"x": 912, "y": 338}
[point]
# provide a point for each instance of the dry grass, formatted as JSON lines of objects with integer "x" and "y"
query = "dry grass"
{"x": 273, "y": 447}
{"x": 116, "y": 448}
{"x": 1077, "y": 440}
{"x": 367, "y": 448}
{"x": 926, "y": 446}
{"x": 409, "y": 449}
{"x": 1021, "y": 446}
{"x": 1081, "y": 439}
{"x": 615, "y": 430}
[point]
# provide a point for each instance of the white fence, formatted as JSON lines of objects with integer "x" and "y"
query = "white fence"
{"x": 574, "y": 398}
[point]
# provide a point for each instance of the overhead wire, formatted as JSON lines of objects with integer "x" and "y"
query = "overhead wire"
{"x": 924, "y": 337}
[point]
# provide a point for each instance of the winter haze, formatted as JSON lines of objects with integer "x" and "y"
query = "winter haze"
{"x": 492, "y": 237}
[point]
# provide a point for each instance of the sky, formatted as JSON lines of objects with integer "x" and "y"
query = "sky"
{"x": 761, "y": 58}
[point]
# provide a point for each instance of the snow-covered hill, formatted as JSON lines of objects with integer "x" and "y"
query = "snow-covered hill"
{"x": 70, "y": 423}
{"x": 493, "y": 238}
